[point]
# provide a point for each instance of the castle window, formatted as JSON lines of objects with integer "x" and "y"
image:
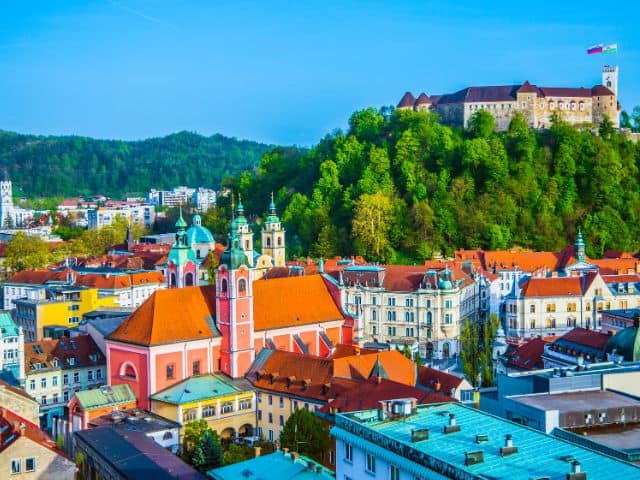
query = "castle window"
{"x": 573, "y": 105}
{"x": 552, "y": 106}
{"x": 581, "y": 106}
{"x": 242, "y": 286}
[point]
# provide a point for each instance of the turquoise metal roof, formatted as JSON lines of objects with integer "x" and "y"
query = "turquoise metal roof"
{"x": 199, "y": 234}
{"x": 195, "y": 389}
{"x": 275, "y": 465}
{"x": 539, "y": 455}
{"x": 8, "y": 328}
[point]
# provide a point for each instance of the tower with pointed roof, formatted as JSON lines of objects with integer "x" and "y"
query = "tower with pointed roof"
{"x": 273, "y": 239}
{"x": 580, "y": 248}
{"x": 234, "y": 306}
{"x": 182, "y": 263}
{"x": 6, "y": 202}
{"x": 243, "y": 229}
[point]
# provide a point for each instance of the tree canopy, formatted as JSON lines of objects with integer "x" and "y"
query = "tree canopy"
{"x": 399, "y": 186}
{"x": 306, "y": 434}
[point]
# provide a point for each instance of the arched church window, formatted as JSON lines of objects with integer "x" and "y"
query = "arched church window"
{"x": 127, "y": 370}
{"x": 188, "y": 279}
{"x": 173, "y": 279}
{"x": 246, "y": 244}
{"x": 279, "y": 241}
{"x": 223, "y": 285}
{"x": 268, "y": 241}
{"x": 242, "y": 286}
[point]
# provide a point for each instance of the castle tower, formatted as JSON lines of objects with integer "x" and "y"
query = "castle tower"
{"x": 234, "y": 307}
{"x": 181, "y": 265}
{"x": 6, "y": 202}
{"x": 245, "y": 234}
{"x": 273, "y": 243}
{"x": 610, "y": 78}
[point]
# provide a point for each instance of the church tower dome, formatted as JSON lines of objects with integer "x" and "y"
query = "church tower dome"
{"x": 273, "y": 238}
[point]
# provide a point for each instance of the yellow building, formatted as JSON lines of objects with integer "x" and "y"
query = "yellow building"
{"x": 229, "y": 407}
{"x": 57, "y": 307}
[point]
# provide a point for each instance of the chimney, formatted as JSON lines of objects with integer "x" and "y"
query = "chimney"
{"x": 508, "y": 448}
{"x": 257, "y": 451}
{"x": 576, "y": 473}
{"x": 452, "y": 426}
{"x": 575, "y": 467}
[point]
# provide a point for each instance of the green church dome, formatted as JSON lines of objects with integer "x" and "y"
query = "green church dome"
{"x": 625, "y": 343}
{"x": 196, "y": 233}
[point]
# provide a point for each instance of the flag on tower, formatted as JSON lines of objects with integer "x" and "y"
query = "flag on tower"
{"x": 613, "y": 48}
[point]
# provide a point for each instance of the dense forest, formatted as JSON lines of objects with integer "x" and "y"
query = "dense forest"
{"x": 69, "y": 166}
{"x": 399, "y": 186}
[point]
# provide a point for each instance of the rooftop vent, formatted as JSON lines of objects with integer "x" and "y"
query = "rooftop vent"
{"x": 482, "y": 438}
{"x": 576, "y": 474}
{"x": 419, "y": 435}
{"x": 473, "y": 458}
{"x": 508, "y": 448}
{"x": 453, "y": 426}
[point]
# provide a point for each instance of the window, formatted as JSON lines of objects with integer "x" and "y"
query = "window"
{"x": 90, "y": 375}
{"x": 15, "y": 465}
{"x": 281, "y": 420}
{"x": 394, "y": 472}
{"x": 391, "y": 331}
{"x": 448, "y": 318}
{"x": 170, "y": 371}
{"x": 259, "y": 414}
{"x": 98, "y": 374}
{"x": 76, "y": 377}
{"x": 371, "y": 463}
{"x": 348, "y": 452}
{"x": 43, "y": 382}
{"x": 244, "y": 404}
{"x": 532, "y": 323}
{"x": 408, "y": 316}
{"x": 551, "y": 307}
{"x": 408, "y": 302}
{"x": 391, "y": 301}
{"x": 167, "y": 436}
{"x": 30, "y": 464}
{"x": 65, "y": 396}
{"x": 270, "y": 417}
{"x": 409, "y": 332}
{"x": 242, "y": 286}
{"x": 271, "y": 435}
{"x": 448, "y": 303}
{"x": 227, "y": 407}
{"x": 532, "y": 308}
{"x": 65, "y": 379}
{"x": 223, "y": 285}
{"x": 195, "y": 367}
{"x": 208, "y": 411}
{"x": 571, "y": 307}
{"x": 55, "y": 398}
{"x": 374, "y": 330}
{"x": 43, "y": 400}
{"x": 374, "y": 300}
{"x": 189, "y": 415}
{"x": 32, "y": 384}
{"x": 281, "y": 402}
{"x": 374, "y": 315}
{"x": 270, "y": 399}
{"x": 74, "y": 319}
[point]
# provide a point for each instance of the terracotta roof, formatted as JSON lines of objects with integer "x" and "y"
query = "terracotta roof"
{"x": 77, "y": 351}
{"x": 171, "y": 315}
{"x": 527, "y": 356}
{"x": 625, "y": 278}
{"x": 587, "y": 338}
{"x": 37, "y": 277}
{"x": 423, "y": 99}
{"x": 431, "y": 377}
{"x": 284, "y": 302}
{"x": 547, "y": 286}
{"x": 397, "y": 367}
{"x": 407, "y": 100}
{"x": 13, "y": 426}
{"x": 114, "y": 282}
{"x": 342, "y": 350}
{"x": 366, "y": 395}
{"x": 528, "y": 88}
{"x": 601, "y": 91}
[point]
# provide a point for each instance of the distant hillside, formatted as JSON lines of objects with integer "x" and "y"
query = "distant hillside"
{"x": 64, "y": 166}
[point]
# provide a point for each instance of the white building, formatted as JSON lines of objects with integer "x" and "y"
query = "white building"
{"x": 204, "y": 199}
{"x": 137, "y": 213}
{"x": 417, "y": 306}
{"x": 11, "y": 347}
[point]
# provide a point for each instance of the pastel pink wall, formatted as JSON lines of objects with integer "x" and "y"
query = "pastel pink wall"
{"x": 309, "y": 339}
{"x": 117, "y": 358}
{"x": 199, "y": 354}
{"x": 162, "y": 360}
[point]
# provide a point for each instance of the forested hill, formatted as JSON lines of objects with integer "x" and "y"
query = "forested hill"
{"x": 399, "y": 186}
{"x": 65, "y": 166}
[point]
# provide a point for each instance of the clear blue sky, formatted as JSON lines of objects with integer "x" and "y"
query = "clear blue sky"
{"x": 284, "y": 72}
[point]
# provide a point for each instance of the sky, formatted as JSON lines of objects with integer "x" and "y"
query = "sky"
{"x": 285, "y": 72}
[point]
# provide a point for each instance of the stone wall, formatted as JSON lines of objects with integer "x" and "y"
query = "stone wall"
{"x": 20, "y": 405}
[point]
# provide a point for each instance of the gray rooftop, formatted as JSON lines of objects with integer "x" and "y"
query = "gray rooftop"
{"x": 577, "y": 401}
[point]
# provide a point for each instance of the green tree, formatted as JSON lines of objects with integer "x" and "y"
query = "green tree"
{"x": 26, "y": 252}
{"x": 236, "y": 453}
{"x": 406, "y": 351}
{"x": 481, "y": 124}
{"x": 306, "y": 434}
{"x": 193, "y": 432}
{"x": 371, "y": 224}
{"x": 208, "y": 453}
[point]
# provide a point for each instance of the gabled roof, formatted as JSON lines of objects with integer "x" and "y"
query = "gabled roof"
{"x": 292, "y": 301}
{"x": 423, "y": 99}
{"x": 13, "y": 426}
{"x": 396, "y": 366}
{"x": 69, "y": 352}
{"x": 552, "y": 286}
{"x": 527, "y": 356}
{"x": 407, "y": 100}
{"x": 585, "y": 337}
{"x": 438, "y": 380}
{"x": 169, "y": 316}
{"x": 37, "y": 277}
{"x": 106, "y": 396}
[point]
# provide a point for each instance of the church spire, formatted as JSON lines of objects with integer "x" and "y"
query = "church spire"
{"x": 580, "y": 247}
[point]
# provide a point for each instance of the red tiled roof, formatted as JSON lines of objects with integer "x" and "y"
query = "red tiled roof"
{"x": 588, "y": 338}
{"x": 170, "y": 315}
{"x": 38, "y": 277}
{"x": 285, "y": 302}
{"x": 528, "y": 88}
{"x": 430, "y": 377}
{"x": 398, "y": 367}
{"x": 527, "y": 356}
{"x": 342, "y": 350}
{"x": 601, "y": 91}
{"x": 423, "y": 99}
{"x": 625, "y": 278}
{"x": 548, "y": 286}
{"x": 80, "y": 348}
{"x": 366, "y": 394}
{"x": 407, "y": 100}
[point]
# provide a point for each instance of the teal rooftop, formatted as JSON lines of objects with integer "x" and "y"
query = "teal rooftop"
{"x": 474, "y": 448}
{"x": 197, "y": 388}
{"x": 277, "y": 465}
{"x": 8, "y": 328}
{"x": 106, "y": 396}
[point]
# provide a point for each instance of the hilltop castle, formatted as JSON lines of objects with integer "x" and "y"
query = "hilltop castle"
{"x": 587, "y": 106}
